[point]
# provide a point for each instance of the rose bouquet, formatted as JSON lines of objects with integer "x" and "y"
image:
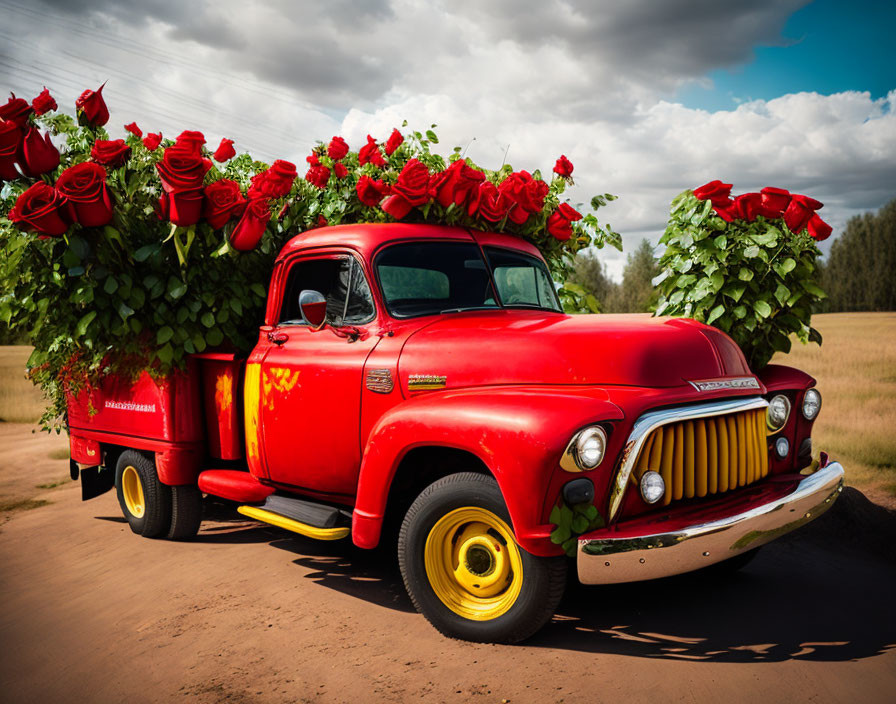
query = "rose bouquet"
{"x": 118, "y": 255}
{"x": 746, "y": 265}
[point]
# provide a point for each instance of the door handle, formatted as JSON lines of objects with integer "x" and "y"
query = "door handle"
{"x": 278, "y": 338}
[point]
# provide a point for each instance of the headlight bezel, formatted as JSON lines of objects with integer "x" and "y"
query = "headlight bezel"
{"x": 788, "y": 407}
{"x": 572, "y": 460}
{"x": 811, "y": 393}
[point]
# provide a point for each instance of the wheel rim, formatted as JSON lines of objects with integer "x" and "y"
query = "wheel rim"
{"x": 132, "y": 490}
{"x": 473, "y": 564}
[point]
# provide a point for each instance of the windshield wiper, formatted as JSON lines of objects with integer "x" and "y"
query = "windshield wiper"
{"x": 466, "y": 308}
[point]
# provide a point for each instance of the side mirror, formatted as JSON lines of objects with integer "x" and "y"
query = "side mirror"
{"x": 313, "y": 307}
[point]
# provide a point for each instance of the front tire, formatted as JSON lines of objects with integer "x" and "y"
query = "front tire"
{"x": 463, "y": 569}
{"x": 144, "y": 500}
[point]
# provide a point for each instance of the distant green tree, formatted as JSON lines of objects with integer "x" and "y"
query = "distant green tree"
{"x": 860, "y": 272}
{"x": 637, "y": 293}
{"x": 590, "y": 273}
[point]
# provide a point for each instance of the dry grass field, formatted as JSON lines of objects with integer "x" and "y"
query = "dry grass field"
{"x": 856, "y": 372}
{"x": 855, "y": 369}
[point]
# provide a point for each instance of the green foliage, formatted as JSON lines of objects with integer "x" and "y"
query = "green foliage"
{"x": 571, "y": 522}
{"x": 860, "y": 272}
{"x": 755, "y": 281}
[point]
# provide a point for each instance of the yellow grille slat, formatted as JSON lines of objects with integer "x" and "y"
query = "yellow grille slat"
{"x": 706, "y": 455}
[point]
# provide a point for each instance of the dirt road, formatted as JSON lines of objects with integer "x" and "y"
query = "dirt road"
{"x": 247, "y": 613}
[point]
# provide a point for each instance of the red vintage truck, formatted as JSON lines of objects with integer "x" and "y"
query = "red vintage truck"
{"x": 426, "y": 377}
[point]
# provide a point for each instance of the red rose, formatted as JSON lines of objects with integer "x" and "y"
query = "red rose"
{"x": 799, "y": 212}
{"x": 152, "y": 141}
{"x": 92, "y": 108}
{"x": 716, "y": 191}
{"x": 134, "y": 130}
{"x": 182, "y": 168}
{"x": 747, "y": 206}
{"x": 526, "y": 194}
{"x": 84, "y": 186}
{"x": 818, "y": 228}
{"x": 313, "y": 159}
{"x": 728, "y": 213}
{"x": 191, "y": 140}
{"x": 275, "y": 182}
{"x": 370, "y": 154}
{"x": 321, "y": 221}
{"x": 112, "y": 153}
{"x": 44, "y": 102}
{"x": 563, "y": 167}
{"x": 340, "y": 170}
{"x": 224, "y": 151}
{"x": 37, "y": 155}
{"x": 10, "y": 140}
{"x": 774, "y": 202}
{"x": 318, "y": 176}
{"x": 337, "y": 148}
{"x": 249, "y": 230}
{"x": 394, "y": 142}
{"x": 371, "y": 192}
{"x": 182, "y": 208}
{"x": 560, "y": 222}
{"x": 489, "y": 203}
{"x": 455, "y": 184}
{"x": 16, "y": 110}
{"x": 40, "y": 208}
{"x": 411, "y": 189}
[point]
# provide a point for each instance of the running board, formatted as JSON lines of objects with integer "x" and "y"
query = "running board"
{"x": 275, "y": 519}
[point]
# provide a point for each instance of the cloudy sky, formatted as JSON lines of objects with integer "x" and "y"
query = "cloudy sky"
{"x": 646, "y": 98}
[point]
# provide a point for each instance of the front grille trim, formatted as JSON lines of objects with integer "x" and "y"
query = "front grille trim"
{"x": 652, "y": 420}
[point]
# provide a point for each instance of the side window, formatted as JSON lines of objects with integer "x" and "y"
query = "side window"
{"x": 342, "y": 283}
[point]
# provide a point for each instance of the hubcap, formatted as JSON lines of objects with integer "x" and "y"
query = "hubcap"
{"x": 132, "y": 491}
{"x": 473, "y": 563}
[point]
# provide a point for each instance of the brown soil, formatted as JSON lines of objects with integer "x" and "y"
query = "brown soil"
{"x": 248, "y": 613}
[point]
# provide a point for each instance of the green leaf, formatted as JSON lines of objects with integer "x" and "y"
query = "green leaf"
{"x": 721, "y": 241}
{"x": 145, "y": 252}
{"x": 124, "y": 310}
{"x": 579, "y": 524}
{"x": 762, "y": 308}
{"x": 745, "y": 274}
{"x": 164, "y": 334}
{"x": 208, "y": 319}
{"x": 785, "y": 267}
{"x": 751, "y": 251}
{"x": 431, "y": 136}
{"x": 782, "y": 293}
{"x": 85, "y": 321}
{"x": 715, "y": 313}
{"x": 176, "y": 288}
{"x": 111, "y": 285}
{"x": 165, "y": 354}
{"x": 813, "y": 289}
{"x": 214, "y": 337}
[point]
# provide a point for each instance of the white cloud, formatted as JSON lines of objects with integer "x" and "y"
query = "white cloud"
{"x": 532, "y": 79}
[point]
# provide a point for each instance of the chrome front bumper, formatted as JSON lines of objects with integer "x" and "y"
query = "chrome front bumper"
{"x": 610, "y": 560}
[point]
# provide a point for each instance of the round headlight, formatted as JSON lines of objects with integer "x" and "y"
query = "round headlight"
{"x": 782, "y": 447}
{"x": 589, "y": 447}
{"x": 652, "y": 487}
{"x": 777, "y": 413}
{"x": 811, "y": 404}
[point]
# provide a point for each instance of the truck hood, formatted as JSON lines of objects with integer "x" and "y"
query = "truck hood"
{"x": 534, "y": 347}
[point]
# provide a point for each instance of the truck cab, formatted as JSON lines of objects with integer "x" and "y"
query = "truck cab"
{"x": 424, "y": 380}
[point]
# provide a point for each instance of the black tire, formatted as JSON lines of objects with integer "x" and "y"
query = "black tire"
{"x": 186, "y": 512}
{"x": 155, "y": 518}
{"x": 543, "y": 578}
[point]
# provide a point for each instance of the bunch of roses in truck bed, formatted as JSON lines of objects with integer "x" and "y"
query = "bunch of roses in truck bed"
{"x": 142, "y": 250}
{"x": 746, "y": 265}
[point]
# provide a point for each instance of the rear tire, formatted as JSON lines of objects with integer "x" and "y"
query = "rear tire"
{"x": 186, "y": 512}
{"x": 463, "y": 569}
{"x": 144, "y": 500}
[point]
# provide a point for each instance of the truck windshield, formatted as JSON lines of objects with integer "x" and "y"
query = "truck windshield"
{"x": 425, "y": 278}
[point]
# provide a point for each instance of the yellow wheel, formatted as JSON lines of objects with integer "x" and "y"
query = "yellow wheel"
{"x": 132, "y": 490}
{"x": 464, "y": 570}
{"x": 144, "y": 500}
{"x": 473, "y": 563}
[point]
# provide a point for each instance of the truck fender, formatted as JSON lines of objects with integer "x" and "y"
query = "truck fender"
{"x": 518, "y": 433}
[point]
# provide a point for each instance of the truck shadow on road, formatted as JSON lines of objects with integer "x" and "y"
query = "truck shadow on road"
{"x": 810, "y": 596}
